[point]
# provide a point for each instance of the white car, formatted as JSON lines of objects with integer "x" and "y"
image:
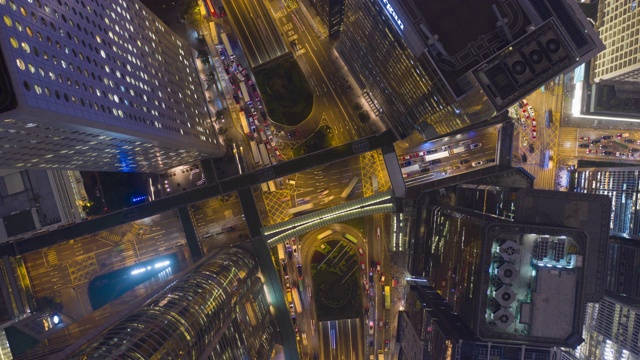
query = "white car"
{"x": 531, "y": 112}
{"x": 477, "y": 163}
{"x": 371, "y": 327}
{"x": 475, "y": 146}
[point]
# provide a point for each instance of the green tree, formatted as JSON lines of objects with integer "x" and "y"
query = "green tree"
{"x": 364, "y": 116}
{"x": 222, "y": 131}
{"x": 48, "y": 304}
{"x": 205, "y": 60}
{"x": 357, "y": 107}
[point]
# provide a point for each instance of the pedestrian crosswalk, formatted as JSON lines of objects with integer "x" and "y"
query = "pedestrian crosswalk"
{"x": 109, "y": 236}
{"x": 128, "y": 252}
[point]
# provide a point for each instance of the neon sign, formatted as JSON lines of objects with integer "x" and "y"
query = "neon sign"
{"x": 393, "y": 14}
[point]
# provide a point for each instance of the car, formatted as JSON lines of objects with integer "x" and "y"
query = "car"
{"x": 534, "y": 134}
{"x": 386, "y": 345}
{"x": 623, "y": 135}
{"x": 259, "y": 103}
{"x": 236, "y": 98}
{"x": 621, "y": 154}
{"x": 382, "y": 278}
{"x": 530, "y": 110}
{"x": 584, "y": 145}
{"x": 475, "y": 146}
{"x": 633, "y": 150}
{"x": 294, "y": 320}
{"x": 533, "y": 123}
{"x": 589, "y": 151}
{"x": 464, "y": 161}
{"x": 407, "y": 163}
{"x": 607, "y": 137}
{"x": 386, "y": 324}
{"x": 436, "y": 162}
{"x": 381, "y": 323}
{"x": 421, "y": 153}
{"x": 477, "y": 163}
{"x": 360, "y": 251}
{"x": 584, "y": 138}
{"x": 293, "y": 133}
{"x": 432, "y": 151}
{"x": 363, "y": 267}
{"x": 291, "y": 310}
{"x": 254, "y": 88}
{"x": 295, "y": 249}
{"x": 629, "y": 141}
{"x": 299, "y": 271}
{"x": 371, "y": 327}
{"x": 607, "y": 153}
{"x": 405, "y": 157}
{"x": 605, "y": 147}
{"x": 524, "y": 157}
{"x": 371, "y": 277}
{"x": 278, "y": 153}
{"x": 378, "y": 268}
{"x": 596, "y": 141}
{"x": 447, "y": 147}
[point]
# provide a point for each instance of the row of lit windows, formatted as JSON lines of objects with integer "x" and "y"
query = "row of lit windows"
{"x": 101, "y": 52}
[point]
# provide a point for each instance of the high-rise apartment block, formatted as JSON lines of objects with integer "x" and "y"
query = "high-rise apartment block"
{"x": 622, "y": 185}
{"x": 98, "y": 85}
{"x": 424, "y": 74}
{"x": 619, "y": 28}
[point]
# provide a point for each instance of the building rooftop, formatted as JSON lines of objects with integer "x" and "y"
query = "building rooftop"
{"x": 461, "y": 51}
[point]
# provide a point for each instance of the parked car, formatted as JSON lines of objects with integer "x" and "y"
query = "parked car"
{"x": 584, "y": 145}
{"x": 607, "y": 137}
{"x": 464, "y": 161}
{"x": 629, "y": 141}
{"x": 590, "y": 151}
{"x": 532, "y": 149}
{"x": 596, "y": 141}
{"x": 607, "y": 153}
{"x": 477, "y": 163}
{"x": 436, "y": 162}
{"x": 432, "y": 151}
{"x": 530, "y": 110}
{"x": 605, "y": 147}
{"x": 584, "y": 138}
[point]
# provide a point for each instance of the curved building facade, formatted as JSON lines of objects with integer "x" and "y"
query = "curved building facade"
{"x": 219, "y": 311}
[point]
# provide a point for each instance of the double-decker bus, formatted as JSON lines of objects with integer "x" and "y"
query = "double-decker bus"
{"x": 296, "y": 300}
{"x": 349, "y": 188}
{"x": 227, "y": 47}
{"x": 254, "y": 152}
{"x": 245, "y": 93}
{"x": 325, "y": 234}
{"x": 264, "y": 155}
{"x": 387, "y": 297}
{"x": 350, "y": 238}
{"x": 245, "y": 126}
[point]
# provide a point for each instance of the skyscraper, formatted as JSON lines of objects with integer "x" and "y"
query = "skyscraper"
{"x": 622, "y": 185}
{"x": 428, "y": 76}
{"x": 619, "y": 63}
{"x": 95, "y": 85}
{"x": 219, "y": 311}
{"x": 332, "y": 13}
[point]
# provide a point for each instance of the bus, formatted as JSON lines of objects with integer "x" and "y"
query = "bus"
{"x": 300, "y": 208}
{"x": 325, "y": 234}
{"x": 264, "y": 155}
{"x": 547, "y": 118}
{"x": 411, "y": 169}
{"x": 254, "y": 152}
{"x": 245, "y": 126}
{"x": 245, "y": 93}
{"x": 546, "y": 160}
{"x": 225, "y": 41}
{"x": 296, "y": 300}
{"x": 281, "y": 252}
{"x": 350, "y": 238}
{"x": 387, "y": 297}
{"x": 289, "y": 297}
{"x": 350, "y": 187}
{"x": 438, "y": 155}
{"x": 457, "y": 150}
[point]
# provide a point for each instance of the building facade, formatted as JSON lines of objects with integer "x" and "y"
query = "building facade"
{"x": 622, "y": 185}
{"x": 331, "y": 12}
{"x": 217, "y": 311}
{"x": 425, "y": 75}
{"x": 98, "y": 86}
{"x": 618, "y": 24}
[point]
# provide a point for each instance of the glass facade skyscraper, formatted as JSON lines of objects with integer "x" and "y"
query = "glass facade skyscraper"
{"x": 218, "y": 311}
{"x": 622, "y": 185}
{"x": 98, "y": 85}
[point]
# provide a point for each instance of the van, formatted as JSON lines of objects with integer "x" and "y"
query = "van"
{"x": 291, "y": 182}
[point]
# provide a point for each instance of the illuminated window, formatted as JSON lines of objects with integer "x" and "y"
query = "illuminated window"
{"x": 20, "y": 64}
{"x": 14, "y": 42}
{"x": 7, "y": 20}
{"x": 25, "y": 47}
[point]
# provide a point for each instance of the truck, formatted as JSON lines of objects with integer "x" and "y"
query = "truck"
{"x": 243, "y": 122}
{"x": 456, "y": 150}
{"x": 245, "y": 93}
{"x": 380, "y": 355}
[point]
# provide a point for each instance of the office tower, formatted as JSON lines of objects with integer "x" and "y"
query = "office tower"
{"x": 619, "y": 64}
{"x": 32, "y": 200}
{"x": 493, "y": 200}
{"x": 623, "y": 263}
{"x": 612, "y": 329}
{"x": 622, "y": 185}
{"x": 97, "y": 85}
{"x": 218, "y": 310}
{"x": 331, "y": 12}
{"x": 430, "y": 329}
{"x": 427, "y": 75}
